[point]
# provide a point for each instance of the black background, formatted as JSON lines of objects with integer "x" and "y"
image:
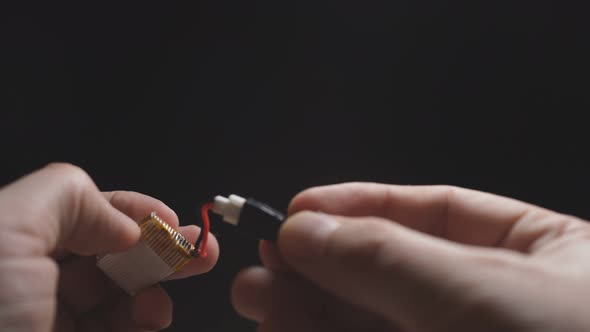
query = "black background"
{"x": 183, "y": 100}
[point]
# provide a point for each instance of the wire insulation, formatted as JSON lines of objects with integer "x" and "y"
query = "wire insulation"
{"x": 201, "y": 243}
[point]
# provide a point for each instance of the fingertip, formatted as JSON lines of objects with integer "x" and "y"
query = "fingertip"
{"x": 349, "y": 198}
{"x": 304, "y": 235}
{"x": 202, "y": 264}
{"x": 313, "y": 198}
{"x": 137, "y": 206}
{"x": 166, "y": 213}
{"x": 271, "y": 257}
{"x": 127, "y": 231}
{"x": 132, "y": 232}
{"x": 304, "y": 200}
{"x": 208, "y": 262}
{"x": 323, "y": 198}
{"x": 152, "y": 309}
{"x": 248, "y": 293}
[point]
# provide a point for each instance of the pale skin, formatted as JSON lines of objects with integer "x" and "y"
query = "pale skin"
{"x": 377, "y": 258}
{"x": 374, "y": 257}
{"x": 53, "y": 224}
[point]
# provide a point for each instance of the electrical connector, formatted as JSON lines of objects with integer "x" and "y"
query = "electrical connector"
{"x": 250, "y": 216}
{"x": 162, "y": 250}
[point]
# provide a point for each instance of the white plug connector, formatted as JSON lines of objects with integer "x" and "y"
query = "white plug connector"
{"x": 229, "y": 207}
{"x": 249, "y": 216}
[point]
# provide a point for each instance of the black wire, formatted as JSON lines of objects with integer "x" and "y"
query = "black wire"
{"x": 196, "y": 252}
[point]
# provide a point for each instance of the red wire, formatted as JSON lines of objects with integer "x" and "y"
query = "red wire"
{"x": 205, "y": 230}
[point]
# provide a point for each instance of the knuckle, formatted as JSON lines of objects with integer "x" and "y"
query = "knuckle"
{"x": 565, "y": 230}
{"x": 447, "y": 191}
{"x": 61, "y": 166}
{"x": 76, "y": 184}
{"x": 379, "y": 252}
{"x": 554, "y": 228}
{"x": 74, "y": 175}
{"x": 77, "y": 178}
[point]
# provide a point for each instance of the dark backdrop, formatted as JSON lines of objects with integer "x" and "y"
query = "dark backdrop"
{"x": 183, "y": 100}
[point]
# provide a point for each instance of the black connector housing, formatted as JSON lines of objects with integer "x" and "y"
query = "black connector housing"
{"x": 260, "y": 220}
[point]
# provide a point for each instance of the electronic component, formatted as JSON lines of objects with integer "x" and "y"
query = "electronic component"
{"x": 250, "y": 216}
{"x": 160, "y": 252}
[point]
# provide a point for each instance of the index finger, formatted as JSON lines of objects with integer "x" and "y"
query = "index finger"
{"x": 137, "y": 206}
{"x": 457, "y": 214}
{"x": 59, "y": 206}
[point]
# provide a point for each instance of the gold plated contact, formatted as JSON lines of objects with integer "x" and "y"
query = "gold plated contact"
{"x": 166, "y": 242}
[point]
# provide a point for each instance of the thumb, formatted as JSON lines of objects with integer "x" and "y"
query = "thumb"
{"x": 59, "y": 206}
{"x": 380, "y": 265}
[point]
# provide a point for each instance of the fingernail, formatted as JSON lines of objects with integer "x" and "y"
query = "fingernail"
{"x": 304, "y": 235}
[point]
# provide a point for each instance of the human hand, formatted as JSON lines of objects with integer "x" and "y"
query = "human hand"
{"x": 53, "y": 223}
{"x": 424, "y": 258}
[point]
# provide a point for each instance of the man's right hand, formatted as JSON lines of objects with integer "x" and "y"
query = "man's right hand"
{"x": 435, "y": 258}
